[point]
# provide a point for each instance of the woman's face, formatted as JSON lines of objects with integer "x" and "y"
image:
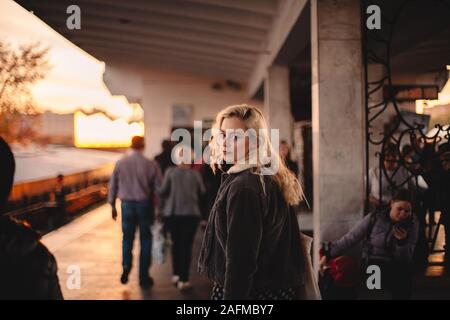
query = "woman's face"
{"x": 233, "y": 143}
{"x": 400, "y": 210}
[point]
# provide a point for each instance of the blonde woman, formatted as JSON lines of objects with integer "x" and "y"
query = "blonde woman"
{"x": 251, "y": 248}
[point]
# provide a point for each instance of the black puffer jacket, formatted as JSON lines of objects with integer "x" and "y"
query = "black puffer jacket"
{"x": 27, "y": 269}
{"x": 252, "y": 240}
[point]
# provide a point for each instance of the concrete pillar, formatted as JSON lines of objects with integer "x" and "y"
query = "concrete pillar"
{"x": 337, "y": 118}
{"x": 277, "y": 101}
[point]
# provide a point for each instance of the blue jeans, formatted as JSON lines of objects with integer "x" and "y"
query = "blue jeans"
{"x": 135, "y": 214}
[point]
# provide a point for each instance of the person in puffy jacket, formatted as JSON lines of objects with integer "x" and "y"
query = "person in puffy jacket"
{"x": 389, "y": 237}
{"x": 27, "y": 269}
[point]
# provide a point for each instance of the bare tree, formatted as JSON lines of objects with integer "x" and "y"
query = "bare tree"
{"x": 19, "y": 69}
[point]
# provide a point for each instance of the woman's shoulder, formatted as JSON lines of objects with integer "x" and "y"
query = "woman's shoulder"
{"x": 170, "y": 170}
{"x": 248, "y": 181}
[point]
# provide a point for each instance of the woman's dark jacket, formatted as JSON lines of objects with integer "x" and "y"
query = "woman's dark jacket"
{"x": 252, "y": 240}
{"x": 27, "y": 269}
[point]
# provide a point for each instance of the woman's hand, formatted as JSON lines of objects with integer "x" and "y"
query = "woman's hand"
{"x": 322, "y": 264}
{"x": 400, "y": 233}
{"x": 114, "y": 213}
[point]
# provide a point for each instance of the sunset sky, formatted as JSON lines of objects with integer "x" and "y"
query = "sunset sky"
{"x": 76, "y": 78}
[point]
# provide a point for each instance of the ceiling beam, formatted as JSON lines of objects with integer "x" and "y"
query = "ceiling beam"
{"x": 192, "y": 10}
{"x": 177, "y": 66}
{"x": 96, "y": 44}
{"x": 266, "y": 7}
{"x": 161, "y": 42}
{"x": 179, "y": 35}
{"x": 86, "y": 39}
{"x": 289, "y": 12}
{"x": 55, "y": 13}
{"x": 191, "y": 62}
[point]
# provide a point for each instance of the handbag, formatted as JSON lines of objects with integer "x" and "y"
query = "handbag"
{"x": 159, "y": 243}
{"x": 310, "y": 291}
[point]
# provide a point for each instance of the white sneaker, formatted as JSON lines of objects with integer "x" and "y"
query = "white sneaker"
{"x": 182, "y": 286}
{"x": 175, "y": 279}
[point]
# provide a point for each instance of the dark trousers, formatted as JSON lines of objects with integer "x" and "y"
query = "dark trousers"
{"x": 135, "y": 214}
{"x": 396, "y": 278}
{"x": 445, "y": 219}
{"x": 182, "y": 230}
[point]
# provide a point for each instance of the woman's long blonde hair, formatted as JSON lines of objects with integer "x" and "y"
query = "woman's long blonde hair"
{"x": 254, "y": 119}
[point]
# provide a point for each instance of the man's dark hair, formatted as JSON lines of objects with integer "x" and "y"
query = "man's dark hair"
{"x": 167, "y": 145}
{"x": 390, "y": 149}
{"x": 137, "y": 143}
{"x": 407, "y": 149}
{"x": 7, "y": 168}
{"x": 402, "y": 195}
{"x": 444, "y": 148}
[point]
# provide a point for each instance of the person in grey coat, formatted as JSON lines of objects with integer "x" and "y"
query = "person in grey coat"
{"x": 389, "y": 238}
{"x": 181, "y": 190}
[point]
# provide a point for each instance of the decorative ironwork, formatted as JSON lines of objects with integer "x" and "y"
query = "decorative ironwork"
{"x": 401, "y": 131}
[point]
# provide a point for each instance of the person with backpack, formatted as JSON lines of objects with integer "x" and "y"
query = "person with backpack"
{"x": 389, "y": 238}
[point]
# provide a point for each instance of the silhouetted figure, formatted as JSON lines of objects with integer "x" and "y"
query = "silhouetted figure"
{"x": 392, "y": 172}
{"x": 438, "y": 177}
{"x": 164, "y": 158}
{"x": 60, "y": 192}
{"x": 212, "y": 185}
{"x": 27, "y": 269}
{"x": 285, "y": 154}
{"x": 134, "y": 181}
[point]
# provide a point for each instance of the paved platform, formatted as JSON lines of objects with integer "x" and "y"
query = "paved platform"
{"x": 93, "y": 243}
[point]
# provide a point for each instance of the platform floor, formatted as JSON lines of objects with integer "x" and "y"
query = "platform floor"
{"x": 92, "y": 245}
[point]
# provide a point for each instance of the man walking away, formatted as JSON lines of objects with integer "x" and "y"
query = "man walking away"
{"x": 134, "y": 180}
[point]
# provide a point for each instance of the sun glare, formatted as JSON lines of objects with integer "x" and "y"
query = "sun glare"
{"x": 99, "y": 131}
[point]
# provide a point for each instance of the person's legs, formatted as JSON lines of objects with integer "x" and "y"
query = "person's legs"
{"x": 175, "y": 229}
{"x": 401, "y": 281}
{"x": 422, "y": 247}
{"x": 445, "y": 219}
{"x": 189, "y": 229}
{"x": 144, "y": 215}
{"x": 384, "y": 292}
{"x": 128, "y": 230}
